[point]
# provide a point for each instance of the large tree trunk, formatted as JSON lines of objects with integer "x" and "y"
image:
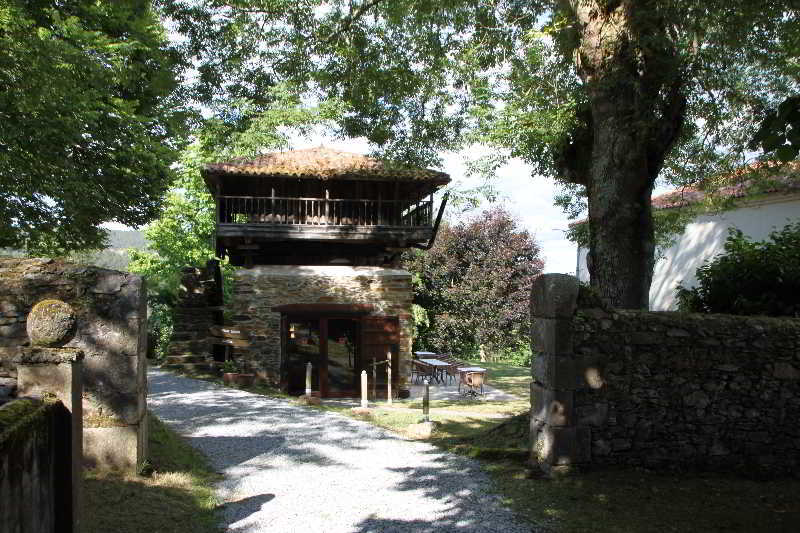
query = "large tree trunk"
{"x": 634, "y": 84}
{"x": 621, "y": 248}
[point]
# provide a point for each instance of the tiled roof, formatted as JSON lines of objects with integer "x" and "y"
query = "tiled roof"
{"x": 735, "y": 185}
{"x": 741, "y": 185}
{"x": 323, "y": 163}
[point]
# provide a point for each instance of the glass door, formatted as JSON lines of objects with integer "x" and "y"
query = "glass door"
{"x": 342, "y": 359}
{"x": 303, "y": 346}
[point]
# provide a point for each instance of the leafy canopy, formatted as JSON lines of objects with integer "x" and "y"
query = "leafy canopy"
{"x": 88, "y": 120}
{"x": 474, "y": 285}
{"x": 423, "y": 76}
{"x": 605, "y": 96}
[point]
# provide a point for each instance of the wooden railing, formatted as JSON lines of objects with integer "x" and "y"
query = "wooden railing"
{"x": 322, "y": 211}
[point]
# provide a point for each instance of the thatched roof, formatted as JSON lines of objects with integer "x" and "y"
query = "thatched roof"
{"x": 322, "y": 163}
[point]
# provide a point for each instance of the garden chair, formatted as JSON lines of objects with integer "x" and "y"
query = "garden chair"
{"x": 474, "y": 382}
{"x": 421, "y": 370}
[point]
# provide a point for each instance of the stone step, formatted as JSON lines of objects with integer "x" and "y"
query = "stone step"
{"x": 192, "y": 367}
{"x": 182, "y": 359}
{"x": 189, "y": 347}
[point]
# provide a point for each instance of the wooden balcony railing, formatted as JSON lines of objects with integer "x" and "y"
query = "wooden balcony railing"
{"x": 322, "y": 211}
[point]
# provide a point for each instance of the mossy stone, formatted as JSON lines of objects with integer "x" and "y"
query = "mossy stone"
{"x": 51, "y": 323}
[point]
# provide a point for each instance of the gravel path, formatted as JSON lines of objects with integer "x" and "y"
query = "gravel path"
{"x": 296, "y": 469}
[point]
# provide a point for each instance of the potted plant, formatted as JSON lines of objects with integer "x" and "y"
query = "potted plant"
{"x": 233, "y": 374}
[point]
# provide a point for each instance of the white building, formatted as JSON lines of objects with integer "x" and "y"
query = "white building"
{"x": 704, "y": 237}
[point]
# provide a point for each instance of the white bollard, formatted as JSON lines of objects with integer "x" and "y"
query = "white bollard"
{"x": 389, "y": 377}
{"x": 364, "y": 401}
{"x": 308, "y": 378}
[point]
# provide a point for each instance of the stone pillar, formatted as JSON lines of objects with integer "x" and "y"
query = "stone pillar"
{"x": 557, "y": 443}
{"x": 43, "y": 371}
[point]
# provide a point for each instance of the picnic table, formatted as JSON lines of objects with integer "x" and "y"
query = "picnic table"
{"x": 438, "y": 367}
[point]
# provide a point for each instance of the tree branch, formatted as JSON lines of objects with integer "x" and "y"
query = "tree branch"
{"x": 348, "y": 21}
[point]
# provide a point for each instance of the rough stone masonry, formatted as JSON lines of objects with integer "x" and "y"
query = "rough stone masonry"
{"x": 661, "y": 389}
{"x": 110, "y": 329}
{"x": 257, "y": 290}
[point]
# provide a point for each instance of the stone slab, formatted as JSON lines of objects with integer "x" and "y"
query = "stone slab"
{"x": 554, "y": 296}
{"x": 113, "y": 448}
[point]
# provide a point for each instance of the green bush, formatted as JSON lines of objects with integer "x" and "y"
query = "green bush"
{"x": 519, "y": 355}
{"x": 749, "y": 278}
{"x": 159, "y": 328}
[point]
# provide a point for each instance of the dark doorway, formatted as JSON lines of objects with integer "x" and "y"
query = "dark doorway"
{"x": 331, "y": 345}
{"x": 338, "y": 348}
{"x": 303, "y": 346}
{"x": 343, "y": 359}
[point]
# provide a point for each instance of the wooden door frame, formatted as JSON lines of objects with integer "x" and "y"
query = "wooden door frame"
{"x": 322, "y": 370}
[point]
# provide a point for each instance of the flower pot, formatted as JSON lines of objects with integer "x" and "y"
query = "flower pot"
{"x": 229, "y": 378}
{"x": 245, "y": 380}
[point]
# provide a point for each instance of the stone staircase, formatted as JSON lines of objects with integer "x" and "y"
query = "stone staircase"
{"x": 190, "y": 346}
{"x": 191, "y": 342}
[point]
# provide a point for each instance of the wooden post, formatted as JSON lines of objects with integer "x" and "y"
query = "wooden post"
{"x": 426, "y": 402}
{"x": 364, "y": 401}
{"x": 389, "y": 377}
{"x": 308, "y": 378}
{"x": 327, "y": 202}
{"x": 374, "y": 380}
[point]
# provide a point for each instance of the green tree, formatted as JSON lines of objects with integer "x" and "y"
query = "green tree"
{"x": 607, "y": 96}
{"x": 89, "y": 120}
{"x": 474, "y": 285}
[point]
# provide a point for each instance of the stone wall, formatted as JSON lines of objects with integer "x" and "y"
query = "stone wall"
{"x": 661, "y": 389}
{"x": 36, "y": 479}
{"x": 111, "y": 331}
{"x": 256, "y": 290}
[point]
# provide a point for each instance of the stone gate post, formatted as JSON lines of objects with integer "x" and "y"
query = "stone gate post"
{"x": 48, "y": 368}
{"x": 557, "y": 443}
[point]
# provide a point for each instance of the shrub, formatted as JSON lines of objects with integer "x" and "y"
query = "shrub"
{"x": 159, "y": 328}
{"x": 749, "y": 278}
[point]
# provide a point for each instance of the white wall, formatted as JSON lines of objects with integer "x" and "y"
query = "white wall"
{"x": 704, "y": 238}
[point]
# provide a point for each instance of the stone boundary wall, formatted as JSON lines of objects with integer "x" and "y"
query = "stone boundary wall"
{"x": 35, "y": 458}
{"x": 661, "y": 389}
{"x": 257, "y": 290}
{"x": 111, "y": 331}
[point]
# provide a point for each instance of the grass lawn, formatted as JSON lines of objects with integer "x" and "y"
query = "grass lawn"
{"x": 174, "y": 496}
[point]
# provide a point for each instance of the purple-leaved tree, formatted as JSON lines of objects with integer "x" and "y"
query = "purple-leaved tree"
{"x": 474, "y": 285}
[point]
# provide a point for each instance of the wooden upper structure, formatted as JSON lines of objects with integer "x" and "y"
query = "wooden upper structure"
{"x": 321, "y": 206}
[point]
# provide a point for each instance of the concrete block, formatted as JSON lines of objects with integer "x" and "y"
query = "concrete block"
{"x": 554, "y": 296}
{"x": 554, "y": 407}
{"x": 552, "y": 335}
{"x": 563, "y": 446}
{"x": 112, "y": 448}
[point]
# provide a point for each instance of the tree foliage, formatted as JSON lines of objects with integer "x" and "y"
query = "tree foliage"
{"x": 89, "y": 120}
{"x": 474, "y": 285}
{"x": 606, "y": 96}
{"x": 749, "y": 278}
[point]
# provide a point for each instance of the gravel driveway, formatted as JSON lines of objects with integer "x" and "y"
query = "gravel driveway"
{"x": 290, "y": 468}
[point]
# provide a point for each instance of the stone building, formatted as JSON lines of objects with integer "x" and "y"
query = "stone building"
{"x": 320, "y": 233}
